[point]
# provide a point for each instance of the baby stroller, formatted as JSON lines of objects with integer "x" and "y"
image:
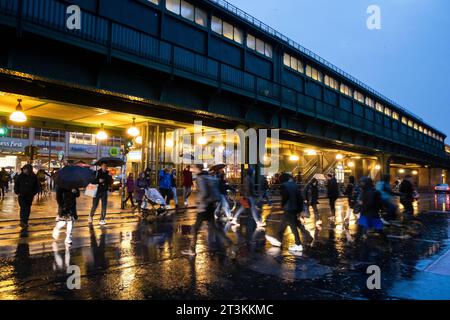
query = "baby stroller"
{"x": 153, "y": 203}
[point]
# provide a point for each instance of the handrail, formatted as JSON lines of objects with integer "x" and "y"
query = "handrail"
{"x": 267, "y": 29}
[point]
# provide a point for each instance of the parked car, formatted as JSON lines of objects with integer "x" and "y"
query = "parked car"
{"x": 442, "y": 188}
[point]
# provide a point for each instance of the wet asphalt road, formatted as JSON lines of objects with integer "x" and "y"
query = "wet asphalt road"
{"x": 134, "y": 259}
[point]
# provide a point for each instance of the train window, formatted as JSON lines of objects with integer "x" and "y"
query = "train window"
{"x": 173, "y": 6}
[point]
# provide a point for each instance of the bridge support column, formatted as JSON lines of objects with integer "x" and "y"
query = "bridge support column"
{"x": 385, "y": 163}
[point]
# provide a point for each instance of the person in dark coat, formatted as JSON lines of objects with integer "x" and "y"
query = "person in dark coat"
{"x": 312, "y": 199}
{"x": 67, "y": 201}
{"x": 131, "y": 184}
{"x": 371, "y": 205}
{"x": 141, "y": 184}
{"x": 104, "y": 181}
{"x": 332, "y": 194}
{"x": 264, "y": 190}
{"x": 292, "y": 203}
{"x": 187, "y": 184}
{"x": 406, "y": 190}
{"x": 26, "y": 187}
{"x": 352, "y": 193}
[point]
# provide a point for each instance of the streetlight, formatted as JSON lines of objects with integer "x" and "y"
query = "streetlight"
{"x": 202, "y": 140}
{"x": 102, "y": 135}
{"x": 133, "y": 131}
{"x": 339, "y": 156}
{"x": 401, "y": 171}
{"x": 293, "y": 157}
{"x": 351, "y": 164}
{"x": 415, "y": 172}
{"x": 138, "y": 139}
{"x": 311, "y": 152}
{"x": 377, "y": 167}
{"x": 18, "y": 115}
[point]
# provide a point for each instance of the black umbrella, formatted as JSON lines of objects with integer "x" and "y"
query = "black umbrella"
{"x": 110, "y": 162}
{"x": 71, "y": 177}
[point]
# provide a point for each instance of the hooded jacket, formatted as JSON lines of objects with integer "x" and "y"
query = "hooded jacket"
{"x": 26, "y": 185}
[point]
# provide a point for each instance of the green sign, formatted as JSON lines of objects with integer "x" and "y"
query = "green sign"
{"x": 114, "y": 152}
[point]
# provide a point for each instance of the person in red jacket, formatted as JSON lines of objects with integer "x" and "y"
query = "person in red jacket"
{"x": 187, "y": 184}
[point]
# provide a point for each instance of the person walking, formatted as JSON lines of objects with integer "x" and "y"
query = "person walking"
{"x": 385, "y": 189}
{"x": 223, "y": 188}
{"x": 206, "y": 200}
{"x": 263, "y": 189}
{"x": 26, "y": 187}
{"x": 68, "y": 212}
{"x": 131, "y": 186}
{"x": 248, "y": 195}
{"x": 371, "y": 205}
{"x": 187, "y": 184}
{"x": 165, "y": 185}
{"x": 312, "y": 199}
{"x": 292, "y": 203}
{"x": 141, "y": 185}
{"x": 104, "y": 180}
{"x": 352, "y": 194}
{"x": 173, "y": 186}
{"x": 4, "y": 182}
{"x": 406, "y": 190}
{"x": 332, "y": 194}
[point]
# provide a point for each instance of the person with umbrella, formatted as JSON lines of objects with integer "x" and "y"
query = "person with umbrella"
{"x": 68, "y": 182}
{"x": 104, "y": 181}
{"x": 26, "y": 187}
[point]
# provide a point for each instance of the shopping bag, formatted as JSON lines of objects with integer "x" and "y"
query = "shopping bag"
{"x": 305, "y": 212}
{"x": 91, "y": 190}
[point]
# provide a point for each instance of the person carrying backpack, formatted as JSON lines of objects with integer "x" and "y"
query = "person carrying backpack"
{"x": 352, "y": 193}
{"x": 207, "y": 197}
{"x": 292, "y": 203}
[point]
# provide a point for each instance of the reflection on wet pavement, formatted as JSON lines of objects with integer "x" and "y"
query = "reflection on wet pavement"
{"x": 134, "y": 259}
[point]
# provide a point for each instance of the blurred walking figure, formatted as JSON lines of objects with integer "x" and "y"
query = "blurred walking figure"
{"x": 371, "y": 205}
{"x": 292, "y": 203}
{"x": 187, "y": 184}
{"x": 26, "y": 187}
{"x": 332, "y": 194}
{"x": 312, "y": 199}
{"x": 223, "y": 188}
{"x": 173, "y": 184}
{"x": 206, "y": 199}
{"x": 104, "y": 181}
{"x": 68, "y": 212}
{"x": 407, "y": 196}
{"x": 352, "y": 192}
{"x": 248, "y": 195}
{"x": 4, "y": 182}
{"x": 165, "y": 185}
{"x": 384, "y": 187}
{"x": 131, "y": 186}
{"x": 141, "y": 185}
{"x": 263, "y": 189}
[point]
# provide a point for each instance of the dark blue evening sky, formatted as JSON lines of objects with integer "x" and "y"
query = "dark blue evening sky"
{"x": 408, "y": 60}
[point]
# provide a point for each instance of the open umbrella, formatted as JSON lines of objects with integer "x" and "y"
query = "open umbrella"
{"x": 71, "y": 177}
{"x": 111, "y": 162}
